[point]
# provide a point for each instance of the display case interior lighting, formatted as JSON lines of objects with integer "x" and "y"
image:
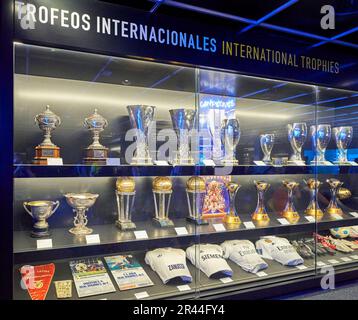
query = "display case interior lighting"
{"x": 260, "y": 114}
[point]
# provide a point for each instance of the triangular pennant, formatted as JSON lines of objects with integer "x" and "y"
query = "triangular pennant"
{"x": 37, "y": 280}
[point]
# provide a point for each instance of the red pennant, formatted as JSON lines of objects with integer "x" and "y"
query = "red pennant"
{"x": 37, "y": 280}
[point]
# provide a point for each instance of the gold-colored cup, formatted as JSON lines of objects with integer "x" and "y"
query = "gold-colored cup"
{"x": 260, "y": 215}
{"x": 232, "y": 217}
{"x": 290, "y": 212}
{"x": 313, "y": 208}
{"x": 333, "y": 207}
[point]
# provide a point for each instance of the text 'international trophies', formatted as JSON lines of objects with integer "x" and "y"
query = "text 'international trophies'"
{"x": 260, "y": 215}
{"x": 313, "y": 208}
{"x": 40, "y": 211}
{"x": 230, "y": 136}
{"x": 332, "y": 207}
{"x": 297, "y": 134}
{"x": 195, "y": 193}
{"x": 183, "y": 122}
{"x": 343, "y": 137}
{"x": 47, "y": 122}
{"x": 81, "y": 202}
{"x": 321, "y": 135}
{"x": 125, "y": 193}
{"x": 232, "y": 217}
{"x": 162, "y": 192}
{"x": 96, "y": 153}
{"x": 290, "y": 212}
{"x": 267, "y": 141}
{"x": 141, "y": 118}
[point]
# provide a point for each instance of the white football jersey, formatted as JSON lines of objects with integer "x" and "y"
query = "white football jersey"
{"x": 169, "y": 264}
{"x": 210, "y": 259}
{"x": 243, "y": 253}
{"x": 279, "y": 249}
{"x": 353, "y": 231}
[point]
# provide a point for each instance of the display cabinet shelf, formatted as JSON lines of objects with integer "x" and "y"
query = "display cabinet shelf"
{"x": 39, "y": 171}
{"x": 113, "y": 240}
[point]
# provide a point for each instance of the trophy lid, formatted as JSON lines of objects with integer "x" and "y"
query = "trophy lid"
{"x": 95, "y": 121}
{"x": 162, "y": 184}
{"x": 125, "y": 184}
{"x": 48, "y": 118}
{"x": 196, "y": 184}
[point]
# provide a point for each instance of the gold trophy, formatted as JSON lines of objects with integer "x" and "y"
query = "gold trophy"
{"x": 313, "y": 208}
{"x": 162, "y": 192}
{"x": 290, "y": 212}
{"x": 332, "y": 207}
{"x": 125, "y": 193}
{"x": 232, "y": 217}
{"x": 96, "y": 153}
{"x": 195, "y": 193}
{"x": 47, "y": 122}
{"x": 260, "y": 215}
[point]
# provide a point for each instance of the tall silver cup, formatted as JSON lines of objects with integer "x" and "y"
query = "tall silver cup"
{"x": 321, "y": 136}
{"x": 267, "y": 141}
{"x": 297, "y": 134}
{"x": 230, "y": 136}
{"x": 343, "y": 137}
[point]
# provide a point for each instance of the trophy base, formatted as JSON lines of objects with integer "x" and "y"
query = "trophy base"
{"x": 42, "y": 153}
{"x": 141, "y": 161}
{"x": 258, "y": 216}
{"x": 197, "y": 221}
{"x": 40, "y": 233}
{"x": 93, "y": 161}
{"x": 291, "y": 216}
{"x": 163, "y": 223}
{"x": 296, "y": 163}
{"x": 96, "y": 156}
{"x": 331, "y": 211}
{"x": 183, "y": 162}
{"x": 318, "y": 214}
{"x": 232, "y": 219}
{"x": 232, "y": 162}
{"x": 125, "y": 225}
{"x": 343, "y": 163}
{"x": 80, "y": 231}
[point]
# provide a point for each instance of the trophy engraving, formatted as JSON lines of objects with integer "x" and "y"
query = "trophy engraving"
{"x": 96, "y": 153}
{"x": 343, "y": 137}
{"x": 321, "y": 135}
{"x": 183, "y": 122}
{"x": 40, "y": 211}
{"x": 290, "y": 212}
{"x": 125, "y": 194}
{"x": 195, "y": 193}
{"x": 333, "y": 207}
{"x": 297, "y": 134}
{"x": 230, "y": 137}
{"x": 47, "y": 122}
{"x": 141, "y": 118}
{"x": 81, "y": 202}
{"x": 232, "y": 217}
{"x": 313, "y": 208}
{"x": 267, "y": 141}
{"x": 162, "y": 192}
{"x": 260, "y": 213}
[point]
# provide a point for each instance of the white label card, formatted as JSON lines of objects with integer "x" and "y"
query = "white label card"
{"x": 355, "y": 257}
{"x": 113, "y": 161}
{"x": 283, "y": 221}
{"x": 54, "y": 162}
{"x": 346, "y": 259}
{"x": 181, "y": 231}
{"x": 226, "y": 280}
{"x": 161, "y": 163}
{"x": 333, "y": 261}
{"x": 209, "y": 162}
{"x": 320, "y": 264}
{"x": 141, "y": 234}
{"x": 249, "y": 225}
{"x": 219, "y": 227}
{"x": 184, "y": 287}
{"x": 44, "y": 243}
{"x": 142, "y": 295}
{"x": 354, "y": 214}
{"x": 261, "y": 274}
{"x": 301, "y": 267}
{"x": 310, "y": 218}
{"x": 352, "y": 163}
{"x": 260, "y": 163}
{"x": 336, "y": 216}
{"x": 93, "y": 239}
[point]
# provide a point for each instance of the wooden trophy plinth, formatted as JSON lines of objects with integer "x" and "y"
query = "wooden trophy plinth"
{"x": 42, "y": 153}
{"x": 96, "y": 156}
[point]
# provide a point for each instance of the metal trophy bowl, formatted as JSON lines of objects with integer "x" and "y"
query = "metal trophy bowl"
{"x": 125, "y": 194}
{"x": 141, "y": 118}
{"x": 266, "y": 142}
{"x": 195, "y": 193}
{"x": 343, "y": 137}
{"x": 47, "y": 122}
{"x": 297, "y": 134}
{"x": 332, "y": 207}
{"x": 313, "y": 208}
{"x": 183, "y": 122}
{"x": 321, "y": 135}
{"x": 290, "y": 212}
{"x": 162, "y": 192}
{"x": 232, "y": 216}
{"x": 40, "y": 211}
{"x": 81, "y": 202}
{"x": 230, "y": 136}
{"x": 260, "y": 215}
{"x": 96, "y": 153}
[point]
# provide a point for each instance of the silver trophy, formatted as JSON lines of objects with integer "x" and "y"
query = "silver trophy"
{"x": 81, "y": 202}
{"x": 267, "y": 141}
{"x": 214, "y": 121}
{"x": 41, "y": 210}
{"x": 125, "y": 193}
{"x": 230, "y": 137}
{"x": 321, "y": 135}
{"x": 343, "y": 137}
{"x": 96, "y": 153}
{"x": 141, "y": 118}
{"x": 183, "y": 122}
{"x": 297, "y": 134}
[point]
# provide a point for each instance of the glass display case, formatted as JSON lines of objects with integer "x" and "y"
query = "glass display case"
{"x": 135, "y": 179}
